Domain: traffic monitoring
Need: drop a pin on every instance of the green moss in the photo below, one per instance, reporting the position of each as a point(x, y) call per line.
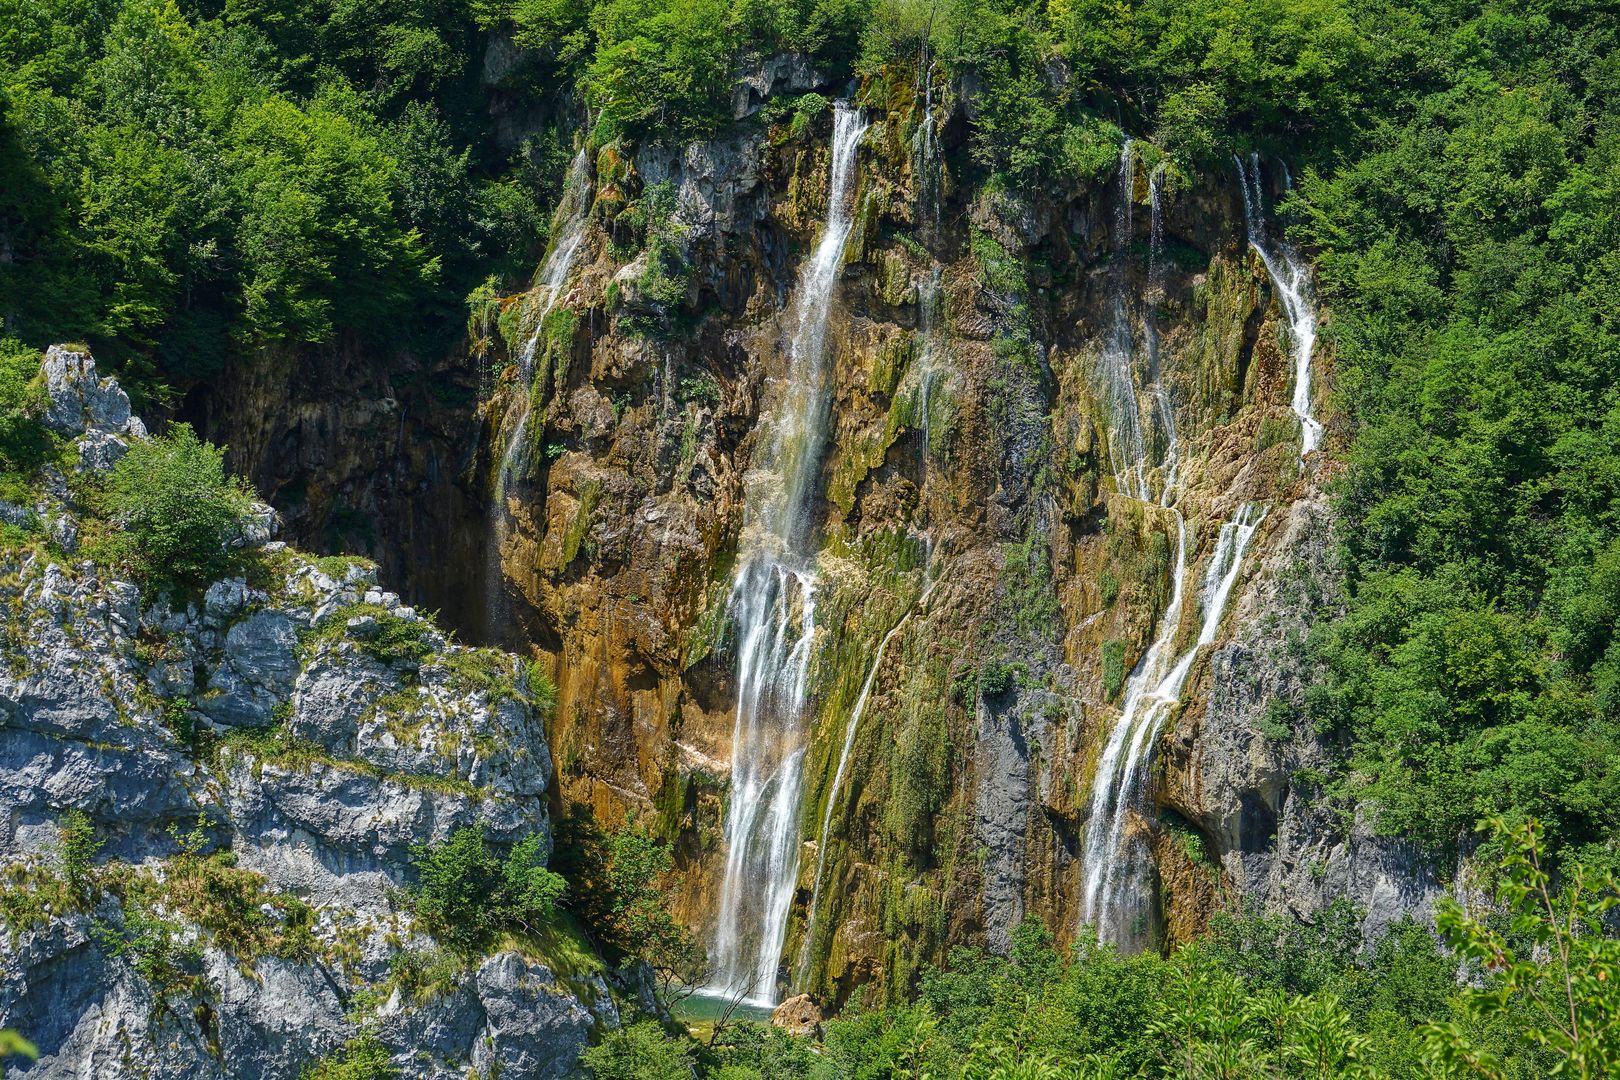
point(396, 639)
point(1113, 667)
point(1108, 586)
point(554, 352)
point(589, 494)
point(275, 746)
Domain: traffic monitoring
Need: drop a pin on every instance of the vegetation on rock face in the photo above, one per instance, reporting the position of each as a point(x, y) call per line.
point(364, 1058)
point(620, 875)
point(468, 894)
point(180, 181)
point(1264, 997)
point(24, 441)
point(1468, 253)
point(175, 510)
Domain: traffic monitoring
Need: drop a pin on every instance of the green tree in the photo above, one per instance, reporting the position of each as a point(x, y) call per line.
point(176, 511)
point(467, 894)
point(364, 1058)
point(24, 441)
point(1557, 960)
point(641, 1051)
point(620, 895)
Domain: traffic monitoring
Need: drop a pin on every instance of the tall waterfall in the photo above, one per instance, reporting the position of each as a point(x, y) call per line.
point(773, 602)
point(1116, 899)
point(1290, 275)
point(927, 166)
point(1127, 446)
point(568, 230)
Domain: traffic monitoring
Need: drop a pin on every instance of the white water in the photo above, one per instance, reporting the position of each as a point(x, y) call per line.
point(568, 230)
point(1161, 395)
point(773, 604)
point(927, 166)
point(1115, 897)
point(1290, 275)
point(1127, 448)
point(931, 366)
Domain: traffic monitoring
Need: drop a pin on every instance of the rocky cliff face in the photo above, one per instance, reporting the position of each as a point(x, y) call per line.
point(254, 765)
point(997, 541)
point(985, 578)
point(361, 449)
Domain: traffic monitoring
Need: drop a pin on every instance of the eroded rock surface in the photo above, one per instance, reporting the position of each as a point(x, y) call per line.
point(258, 718)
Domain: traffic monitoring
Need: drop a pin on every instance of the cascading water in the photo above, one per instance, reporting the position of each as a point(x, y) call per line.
point(1115, 900)
point(1155, 280)
point(773, 605)
point(927, 166)
point(931, 366)
point(1127, 448)
point(1290, 275)
point(568, 232)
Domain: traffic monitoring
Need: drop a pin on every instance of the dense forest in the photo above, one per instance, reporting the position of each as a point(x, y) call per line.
point(189, 184)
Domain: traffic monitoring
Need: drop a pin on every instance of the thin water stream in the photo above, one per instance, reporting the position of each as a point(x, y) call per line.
point(1116, 891)
point(568, 232)
point(1291, 276)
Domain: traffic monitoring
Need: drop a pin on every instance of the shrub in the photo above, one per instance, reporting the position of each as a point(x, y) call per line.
point(640, 1052)
point(176, 509)
point(158, 949)
point(1558, 961)
point(467, 895)
point(359, 1059)
point(1113, 667)
point(619, 881)
point(24, 442)
point(77, 845)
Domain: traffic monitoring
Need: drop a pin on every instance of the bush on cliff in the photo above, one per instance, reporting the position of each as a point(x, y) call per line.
point(24, 442)
point(175, 510)
point(468, 895)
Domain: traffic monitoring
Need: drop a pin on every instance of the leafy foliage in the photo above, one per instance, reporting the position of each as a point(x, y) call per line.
point(640, 1051)
point(621, 877)
point(24, 442)
point(364, 1058)
point(1467, 249)
point(178, 183)
point(468, 895)
point(175, 510)
point(1556, 956)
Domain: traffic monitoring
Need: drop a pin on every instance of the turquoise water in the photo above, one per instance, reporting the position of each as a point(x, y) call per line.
point(701, 1007)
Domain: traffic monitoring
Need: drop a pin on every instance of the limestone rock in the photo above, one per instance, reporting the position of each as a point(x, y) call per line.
point(799, 1016)
point(348, 761)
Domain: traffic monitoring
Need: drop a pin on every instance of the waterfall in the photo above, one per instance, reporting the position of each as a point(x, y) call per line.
point(568, 232)
point(926, 164)
point(1127, 448)
point(1156, 227)
point(773, 605)
point(1115, 897)
point(1161, 395)
point(931, 365)
point(1290, 276)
